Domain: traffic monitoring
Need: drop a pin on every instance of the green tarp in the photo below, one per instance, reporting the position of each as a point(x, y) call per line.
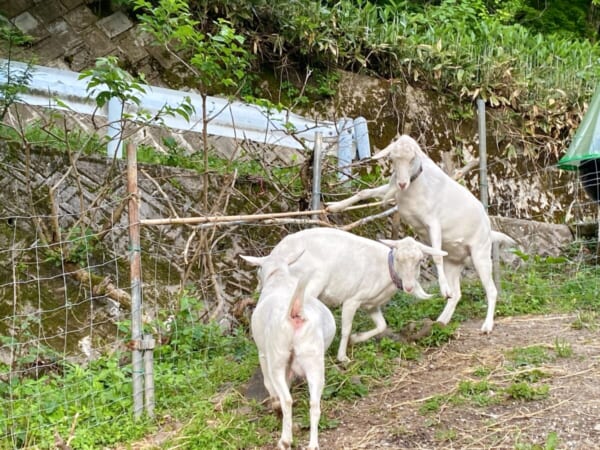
point(586, 143)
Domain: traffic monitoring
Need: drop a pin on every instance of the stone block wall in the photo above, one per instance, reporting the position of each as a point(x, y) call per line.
point(71, 34)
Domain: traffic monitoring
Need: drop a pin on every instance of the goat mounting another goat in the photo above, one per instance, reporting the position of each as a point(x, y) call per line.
point(444, 214)
point(343, 269)
point(292, 331)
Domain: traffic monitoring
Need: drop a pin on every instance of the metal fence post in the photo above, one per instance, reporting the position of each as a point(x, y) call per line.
point(361, 136)
point(316, 178)
point(114, 148)
point(135, 271)
point(483, 183)
point(345, 148)
point(483, 186)
point(148, 346)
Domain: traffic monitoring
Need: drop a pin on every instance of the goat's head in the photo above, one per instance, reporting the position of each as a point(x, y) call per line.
point(408, 254)
point(405, 157)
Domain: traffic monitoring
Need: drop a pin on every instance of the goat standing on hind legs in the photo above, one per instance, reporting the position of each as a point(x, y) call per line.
point(292, 332)
point(445, 215)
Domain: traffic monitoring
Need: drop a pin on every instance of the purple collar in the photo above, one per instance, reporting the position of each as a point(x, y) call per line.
point(395, 278)
point(414, 176)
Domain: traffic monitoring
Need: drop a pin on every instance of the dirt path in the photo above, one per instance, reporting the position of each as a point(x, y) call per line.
point(390, 417)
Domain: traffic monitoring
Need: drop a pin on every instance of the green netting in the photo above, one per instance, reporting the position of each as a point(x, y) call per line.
point(586, 143)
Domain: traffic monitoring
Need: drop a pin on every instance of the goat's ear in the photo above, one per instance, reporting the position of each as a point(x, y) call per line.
point(381, 154)
point(254, 260)
point(388, 242)
point(432, 251)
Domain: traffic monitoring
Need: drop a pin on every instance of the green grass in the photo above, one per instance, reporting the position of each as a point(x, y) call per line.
point(201, 372)
point(527, 356)
point(552, 442)
point(527, 392)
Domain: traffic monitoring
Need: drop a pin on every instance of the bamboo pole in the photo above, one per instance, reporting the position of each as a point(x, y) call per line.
point(244, 217)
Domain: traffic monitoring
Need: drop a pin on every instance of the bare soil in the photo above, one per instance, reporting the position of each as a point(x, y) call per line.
point(390, 417)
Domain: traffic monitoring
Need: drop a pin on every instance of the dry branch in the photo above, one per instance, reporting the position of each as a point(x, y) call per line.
point(99, 285)
point(460, 173)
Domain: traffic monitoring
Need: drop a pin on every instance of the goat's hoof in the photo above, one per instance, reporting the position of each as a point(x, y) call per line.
point(343, 361)
point(487, 329)
point(275, 405)
point(445, 292)
point(333, 207)
point(284, 445)
point(440, 324)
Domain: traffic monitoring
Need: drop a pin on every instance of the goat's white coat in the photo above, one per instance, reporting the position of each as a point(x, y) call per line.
point(444, 214)
point(292, 331)
point(352, 271)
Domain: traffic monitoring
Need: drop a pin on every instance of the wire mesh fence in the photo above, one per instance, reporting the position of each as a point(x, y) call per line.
point(65, 280)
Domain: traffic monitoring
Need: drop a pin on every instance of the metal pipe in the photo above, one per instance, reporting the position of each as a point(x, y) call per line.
point(361, 137)
point(148, 345)
point(483, 183)
point(136, 287)
point(483, 187)
point(229, 119)
point(316, 178)
point(345, 148)
point(114, 148)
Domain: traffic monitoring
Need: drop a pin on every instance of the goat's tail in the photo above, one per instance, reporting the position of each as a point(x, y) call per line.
point(503, 239)
point(296, 309)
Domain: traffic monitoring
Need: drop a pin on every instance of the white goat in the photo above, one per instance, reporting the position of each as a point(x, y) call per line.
point(444, 214)
point(292, 332)
point(353, 271)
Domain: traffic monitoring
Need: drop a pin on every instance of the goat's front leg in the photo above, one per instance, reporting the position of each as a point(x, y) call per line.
point(453, 272)
point(380, 326)
point(435, 238)
point(378, 192)
point(348, 310)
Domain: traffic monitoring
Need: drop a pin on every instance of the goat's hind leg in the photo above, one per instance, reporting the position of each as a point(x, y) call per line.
point(380, 326)
point(278, 369)
point(316, 390)
point(482, 260)
point(268, 382)
point(313, 365)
